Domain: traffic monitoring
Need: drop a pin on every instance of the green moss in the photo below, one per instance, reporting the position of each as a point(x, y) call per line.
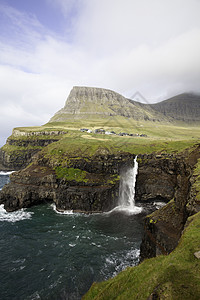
point(152, 221)
point(176, 276)
point(71, 174)
point(113, 179)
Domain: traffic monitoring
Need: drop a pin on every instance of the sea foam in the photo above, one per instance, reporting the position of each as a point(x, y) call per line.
point(64, 212)
point(14, 216)
point(6, 173)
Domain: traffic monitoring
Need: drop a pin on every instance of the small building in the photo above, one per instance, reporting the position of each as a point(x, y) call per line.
point(99, 131)
point(84, 129)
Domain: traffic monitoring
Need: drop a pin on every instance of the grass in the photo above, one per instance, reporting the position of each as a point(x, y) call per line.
point(176, 276)
point(161, 138)
point(13, 149)
point(79, 145)
point(71, 174)
point(155, 130)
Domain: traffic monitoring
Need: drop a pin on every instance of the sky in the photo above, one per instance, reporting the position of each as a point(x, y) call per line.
point(129, 46)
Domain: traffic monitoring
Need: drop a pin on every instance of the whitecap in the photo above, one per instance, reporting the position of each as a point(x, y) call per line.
point(64, 212)
point(14, 216)
point(122, 261)
point(159, 204)
point(6, 173)
point(94, 244)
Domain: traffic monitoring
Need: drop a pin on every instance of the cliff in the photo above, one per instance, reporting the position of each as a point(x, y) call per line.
point(170, 242)
point(87, 184)
point(94, 102)
point(23, 144)
point(163, 228)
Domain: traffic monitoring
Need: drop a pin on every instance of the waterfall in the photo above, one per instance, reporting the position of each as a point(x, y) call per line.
point(127, 190)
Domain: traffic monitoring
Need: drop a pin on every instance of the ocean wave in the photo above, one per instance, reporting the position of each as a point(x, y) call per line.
point(64, 212)
point(122, 261)
point(15, 216)
point(159, 204)
point(6, 173)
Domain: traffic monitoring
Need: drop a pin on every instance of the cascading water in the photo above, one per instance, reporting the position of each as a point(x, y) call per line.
point(127, 190)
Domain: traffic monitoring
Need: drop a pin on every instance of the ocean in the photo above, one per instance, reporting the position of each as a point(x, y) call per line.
point(49, 255)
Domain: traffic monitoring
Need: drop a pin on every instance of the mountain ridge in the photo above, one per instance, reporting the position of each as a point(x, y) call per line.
point(91, 101)
point(182, 107)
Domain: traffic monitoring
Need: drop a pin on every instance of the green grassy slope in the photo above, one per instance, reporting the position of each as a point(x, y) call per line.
point(160, 137)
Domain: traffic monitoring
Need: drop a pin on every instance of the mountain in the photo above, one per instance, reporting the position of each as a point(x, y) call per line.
point(184, 107)
point(91, 102)
point(84, 102)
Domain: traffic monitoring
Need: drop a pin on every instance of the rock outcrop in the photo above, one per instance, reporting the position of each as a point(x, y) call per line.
point(87, 185)
point(22, 145)
point(157, 177)
point(163, 228)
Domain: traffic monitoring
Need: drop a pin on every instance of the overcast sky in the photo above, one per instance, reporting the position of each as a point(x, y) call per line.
point(48, 46)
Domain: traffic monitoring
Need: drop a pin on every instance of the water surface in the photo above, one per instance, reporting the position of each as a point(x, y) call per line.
point(46, 255)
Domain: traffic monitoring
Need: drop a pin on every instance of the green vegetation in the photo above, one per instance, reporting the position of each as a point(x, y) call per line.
point(76, 144)
point(176, 276)
point(17, 150)
point(71, 174)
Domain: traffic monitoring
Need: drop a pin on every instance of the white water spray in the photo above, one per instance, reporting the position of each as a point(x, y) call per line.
point(127, 190)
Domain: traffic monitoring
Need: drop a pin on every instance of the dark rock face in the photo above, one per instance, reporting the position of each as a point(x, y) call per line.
point(18, 152)
point(163, 228)
point(157, 177)
point(16, 160)
point(38, 184)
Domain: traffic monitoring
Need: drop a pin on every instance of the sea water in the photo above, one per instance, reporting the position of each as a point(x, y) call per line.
point(49, 255)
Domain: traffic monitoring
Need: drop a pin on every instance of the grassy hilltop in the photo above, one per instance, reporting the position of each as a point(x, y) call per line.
point(159, 136)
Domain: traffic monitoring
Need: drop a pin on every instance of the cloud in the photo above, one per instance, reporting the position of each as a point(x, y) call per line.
point(127, 46)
